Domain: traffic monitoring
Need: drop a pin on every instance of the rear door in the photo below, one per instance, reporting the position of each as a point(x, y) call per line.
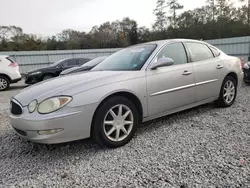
point(208, 69)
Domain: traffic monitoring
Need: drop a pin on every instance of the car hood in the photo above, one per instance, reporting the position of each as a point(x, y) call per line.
point(73, 84)
point(35, 70)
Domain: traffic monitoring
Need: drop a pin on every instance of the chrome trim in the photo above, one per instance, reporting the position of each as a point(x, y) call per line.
point(182, 87)
point(206, 82)
point(172, 90)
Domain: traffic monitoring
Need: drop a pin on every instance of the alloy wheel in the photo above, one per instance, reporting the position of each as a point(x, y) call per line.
point(118, 123)
point(3, 84)
point(229, 91)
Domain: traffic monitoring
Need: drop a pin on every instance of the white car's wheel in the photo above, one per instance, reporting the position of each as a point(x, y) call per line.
point(228, 92)
point(115, 122)
point(4, 83)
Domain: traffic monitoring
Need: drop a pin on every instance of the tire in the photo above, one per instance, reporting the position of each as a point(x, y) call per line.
point(4, 83)
point(222, 101)
point(47, 77)
point(100, 130)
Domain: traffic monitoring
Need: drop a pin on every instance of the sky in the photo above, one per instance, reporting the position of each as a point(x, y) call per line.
point(49, 17)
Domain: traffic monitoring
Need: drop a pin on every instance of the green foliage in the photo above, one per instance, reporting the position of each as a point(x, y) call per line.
point(216, 19)
point(161, 18)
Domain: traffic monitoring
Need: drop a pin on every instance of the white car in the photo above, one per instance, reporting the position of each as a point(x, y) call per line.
point(9, 72)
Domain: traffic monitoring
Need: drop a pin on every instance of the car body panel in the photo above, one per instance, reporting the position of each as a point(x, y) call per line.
point(74, 122)
point(69, 84)
point(208, 78)
point(167, 88)
point(12, 72)
point(162, 91)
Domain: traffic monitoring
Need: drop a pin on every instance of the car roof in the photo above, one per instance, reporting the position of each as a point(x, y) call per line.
point(161, 42)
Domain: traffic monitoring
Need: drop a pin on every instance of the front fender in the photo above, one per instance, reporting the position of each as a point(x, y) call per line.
point(96, 95)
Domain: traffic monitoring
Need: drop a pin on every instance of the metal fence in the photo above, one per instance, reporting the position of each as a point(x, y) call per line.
point(239, 46)
point(29, 60)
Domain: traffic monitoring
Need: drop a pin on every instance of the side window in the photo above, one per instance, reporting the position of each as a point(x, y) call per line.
point(174, 51)
point(215, 52)
point(83, 61)
point(69, 63)
point(199, 52)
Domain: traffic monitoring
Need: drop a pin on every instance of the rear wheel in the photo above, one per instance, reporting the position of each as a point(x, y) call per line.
point(115, 122)
point(4, 83)
point(228, 92)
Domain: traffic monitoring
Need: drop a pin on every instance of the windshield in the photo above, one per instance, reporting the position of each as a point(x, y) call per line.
point(94, 62)
point(128, 59)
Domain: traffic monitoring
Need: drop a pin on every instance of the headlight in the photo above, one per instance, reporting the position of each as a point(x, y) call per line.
point(32, 106)
point(33, 73)
point(52, 104)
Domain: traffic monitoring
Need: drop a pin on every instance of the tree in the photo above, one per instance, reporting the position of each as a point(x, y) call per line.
point(133, 35)
point(216, 19)
point(248, 10)
point(161, 18)
point(174, 5)
point(212, 7)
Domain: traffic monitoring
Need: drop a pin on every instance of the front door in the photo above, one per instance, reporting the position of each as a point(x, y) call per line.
point(171, 87)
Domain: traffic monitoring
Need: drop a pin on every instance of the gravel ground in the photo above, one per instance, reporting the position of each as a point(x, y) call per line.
point(201, 147)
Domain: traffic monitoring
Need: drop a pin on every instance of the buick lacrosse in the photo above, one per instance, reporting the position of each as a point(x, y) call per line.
point(134, 85)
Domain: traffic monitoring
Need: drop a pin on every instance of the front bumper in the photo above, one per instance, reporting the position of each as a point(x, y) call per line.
point(246, 75)
point(32, 79)
point(74, 123)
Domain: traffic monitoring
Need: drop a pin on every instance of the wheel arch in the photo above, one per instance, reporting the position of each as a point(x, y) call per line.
point(234, 75)
point(6, 76)
point(129, 95)
point(47, 74)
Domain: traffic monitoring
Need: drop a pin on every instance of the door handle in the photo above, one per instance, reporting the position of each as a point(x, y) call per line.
point(219, 66)
point(186, 73)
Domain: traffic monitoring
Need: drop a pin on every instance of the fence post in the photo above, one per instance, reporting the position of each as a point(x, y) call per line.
point(15, 57)
point(48, 58)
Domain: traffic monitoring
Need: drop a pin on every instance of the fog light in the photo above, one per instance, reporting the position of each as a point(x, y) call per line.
point(49, 132)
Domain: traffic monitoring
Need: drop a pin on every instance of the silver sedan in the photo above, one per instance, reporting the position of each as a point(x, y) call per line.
point(134, 85)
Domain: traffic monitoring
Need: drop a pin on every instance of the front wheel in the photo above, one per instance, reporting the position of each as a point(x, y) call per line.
point(4, 83)
point(115, 122)
point(228, 92)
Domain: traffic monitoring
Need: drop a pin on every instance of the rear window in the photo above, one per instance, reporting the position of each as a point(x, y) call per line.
point(199, 51)
point(215, 51)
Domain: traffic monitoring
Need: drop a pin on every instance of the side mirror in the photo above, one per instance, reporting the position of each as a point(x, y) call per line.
point(162, 62)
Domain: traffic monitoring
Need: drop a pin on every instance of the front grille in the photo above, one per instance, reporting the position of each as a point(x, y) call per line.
point(23, 133)
point(15, 108)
